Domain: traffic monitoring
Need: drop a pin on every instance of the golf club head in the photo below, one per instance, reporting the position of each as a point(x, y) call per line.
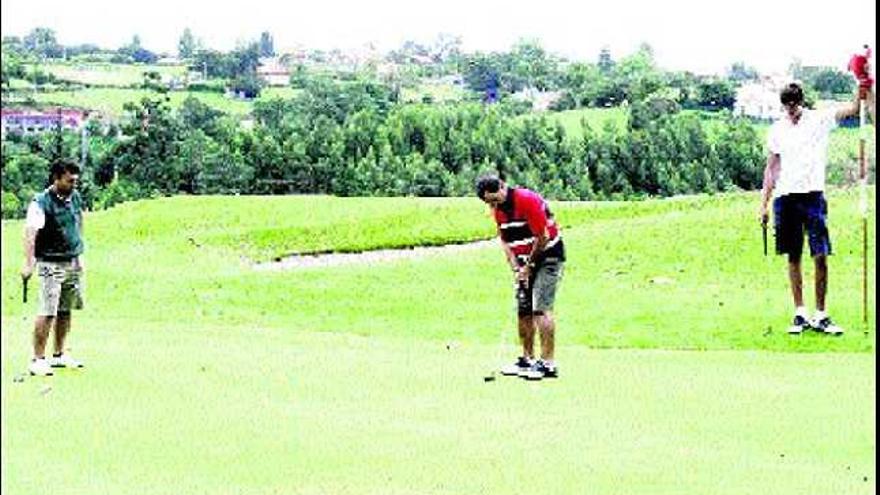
point(489, 378)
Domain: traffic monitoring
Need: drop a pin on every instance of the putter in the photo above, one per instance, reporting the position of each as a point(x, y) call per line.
point(764, 232)
point(19, 377)
point(491, 376)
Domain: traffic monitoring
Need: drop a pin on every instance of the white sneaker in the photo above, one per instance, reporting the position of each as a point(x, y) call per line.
point(522, 364)
point(798, 325)
point(64, 361)
point(827, 326)
point(40, 367)
point(532, 373)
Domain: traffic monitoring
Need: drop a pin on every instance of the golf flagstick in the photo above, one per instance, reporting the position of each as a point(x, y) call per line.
point(859, 65)
point(863, 207)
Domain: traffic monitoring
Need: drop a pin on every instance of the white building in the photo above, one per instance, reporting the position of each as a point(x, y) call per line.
point(27, 120)
point(760, 99)
point(541, 100)
point(273, 71)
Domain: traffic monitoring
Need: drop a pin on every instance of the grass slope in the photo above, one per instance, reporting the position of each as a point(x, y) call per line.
point(686, 273)
point(110, 101)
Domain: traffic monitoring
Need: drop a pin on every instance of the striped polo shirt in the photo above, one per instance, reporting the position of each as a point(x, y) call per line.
point(523, 214)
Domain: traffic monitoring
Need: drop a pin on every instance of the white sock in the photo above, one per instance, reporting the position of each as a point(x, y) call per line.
point(820, 314)
point(550, 363)
point(801, 311)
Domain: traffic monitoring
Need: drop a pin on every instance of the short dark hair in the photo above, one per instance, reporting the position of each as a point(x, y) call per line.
point(61, 166)
point(792, 94)
point(487, 183)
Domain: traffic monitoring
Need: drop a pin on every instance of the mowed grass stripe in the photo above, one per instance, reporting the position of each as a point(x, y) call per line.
point(210, 409)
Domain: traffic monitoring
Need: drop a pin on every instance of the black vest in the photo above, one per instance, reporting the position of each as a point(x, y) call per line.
point(59, 239)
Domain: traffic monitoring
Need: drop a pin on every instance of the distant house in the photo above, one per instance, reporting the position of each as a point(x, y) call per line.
point(27, 121)
point(760, 100)
point(169, 61)
point(541, 100)
point(174, 83)
point(422, 59)
point(273, 71)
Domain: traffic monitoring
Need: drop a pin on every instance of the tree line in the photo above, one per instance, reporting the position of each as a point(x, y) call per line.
point(356, 139)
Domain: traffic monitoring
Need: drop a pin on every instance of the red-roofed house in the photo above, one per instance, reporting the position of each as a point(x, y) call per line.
point(26, 120)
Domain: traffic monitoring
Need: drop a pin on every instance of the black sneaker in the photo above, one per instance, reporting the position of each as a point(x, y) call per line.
point(798, 325)
point(539, 371)
point(521, 365)
point(825, 325)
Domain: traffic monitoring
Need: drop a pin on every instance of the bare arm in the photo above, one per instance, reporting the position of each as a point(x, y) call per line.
point(80, 264)
point(538, 246)
point(30, 237)
point(511, 259)
point(771, 173)
point(852, 109)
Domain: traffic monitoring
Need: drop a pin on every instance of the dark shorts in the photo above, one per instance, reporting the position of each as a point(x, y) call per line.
point(796, 214)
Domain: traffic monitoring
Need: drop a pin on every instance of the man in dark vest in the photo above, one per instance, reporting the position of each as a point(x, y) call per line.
point(53, 246)
point(533, 246)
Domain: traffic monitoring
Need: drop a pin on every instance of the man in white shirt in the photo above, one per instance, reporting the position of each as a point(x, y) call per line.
point(795, 175)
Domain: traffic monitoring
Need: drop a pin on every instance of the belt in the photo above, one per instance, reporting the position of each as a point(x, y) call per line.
point(56, 259)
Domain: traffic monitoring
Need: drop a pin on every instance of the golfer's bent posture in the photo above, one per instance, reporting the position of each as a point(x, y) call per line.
point(53, 246)
point(533, 245)
point(795, 174)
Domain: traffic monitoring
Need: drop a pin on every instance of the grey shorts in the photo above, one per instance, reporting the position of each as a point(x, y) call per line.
point(61, 287)
point(540, 294)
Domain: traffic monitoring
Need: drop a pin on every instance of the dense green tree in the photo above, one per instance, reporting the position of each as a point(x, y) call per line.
point(187, 45)
point(41, 41)
point(267, 45)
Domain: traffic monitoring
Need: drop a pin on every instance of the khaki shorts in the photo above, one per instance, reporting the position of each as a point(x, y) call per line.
point(61, 287)
point(540, 294)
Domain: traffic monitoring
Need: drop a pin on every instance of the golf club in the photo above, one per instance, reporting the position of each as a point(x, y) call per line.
point(764, 232)
point(19, 377)
point(490, 377)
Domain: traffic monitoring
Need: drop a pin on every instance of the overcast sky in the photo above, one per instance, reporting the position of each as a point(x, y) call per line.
point(700, 36)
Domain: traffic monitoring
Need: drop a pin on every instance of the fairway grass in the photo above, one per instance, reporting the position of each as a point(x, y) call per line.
point(205, 375)
point(110, 101)
point(189, 408)
point(686, 273)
